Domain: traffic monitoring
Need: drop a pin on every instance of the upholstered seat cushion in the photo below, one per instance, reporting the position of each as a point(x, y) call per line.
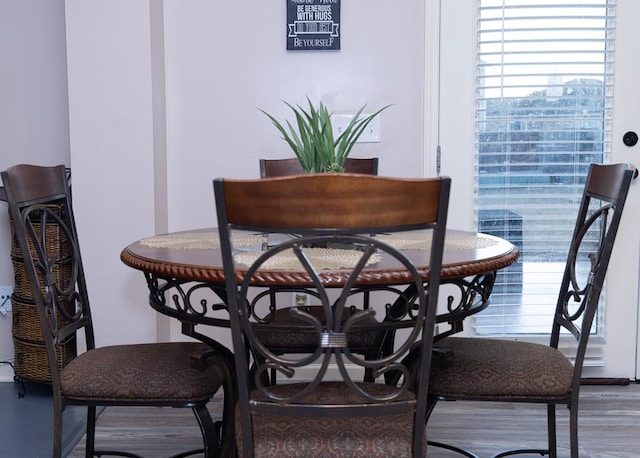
point(330, 436)
point(300, 341)
point(158, 372)
point(488, 369)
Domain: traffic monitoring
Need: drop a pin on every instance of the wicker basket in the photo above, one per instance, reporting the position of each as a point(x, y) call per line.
point(30, 351)
point(26, 322)
point(57, 246)
point(31, 359)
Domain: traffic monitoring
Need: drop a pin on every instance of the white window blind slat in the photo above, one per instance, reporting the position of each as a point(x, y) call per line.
point(544, 76)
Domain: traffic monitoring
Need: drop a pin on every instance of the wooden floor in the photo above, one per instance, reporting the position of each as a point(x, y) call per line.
point(609, 427)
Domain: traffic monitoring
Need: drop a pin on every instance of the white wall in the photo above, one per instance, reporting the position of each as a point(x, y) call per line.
point(34, 123)
point(112, 156)
point(222, 61)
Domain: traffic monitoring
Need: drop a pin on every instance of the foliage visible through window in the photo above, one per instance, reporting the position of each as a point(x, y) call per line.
point(543, 103)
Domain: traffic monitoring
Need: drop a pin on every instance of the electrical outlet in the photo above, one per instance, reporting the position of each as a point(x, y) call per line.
point(300, 299)
point(5, 299)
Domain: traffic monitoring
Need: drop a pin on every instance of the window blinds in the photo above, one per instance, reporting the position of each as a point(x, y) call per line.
point(544, 75)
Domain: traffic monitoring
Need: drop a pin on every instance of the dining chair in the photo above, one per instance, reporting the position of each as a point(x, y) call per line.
point(292, 342)
point(270, 168)
point(320, 232)
point(485, 369)
point(179, 374)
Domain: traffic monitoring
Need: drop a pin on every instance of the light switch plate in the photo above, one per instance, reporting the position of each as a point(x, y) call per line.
point(371, 134)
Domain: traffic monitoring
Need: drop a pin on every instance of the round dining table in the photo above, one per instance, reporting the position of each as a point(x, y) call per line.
point(185, 276)
point(182, 269)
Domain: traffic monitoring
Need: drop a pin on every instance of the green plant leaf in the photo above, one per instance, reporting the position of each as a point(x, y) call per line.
point(312, 139)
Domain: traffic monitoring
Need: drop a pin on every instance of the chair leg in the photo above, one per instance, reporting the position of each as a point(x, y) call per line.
point(90, 437)
point(551, 430)
point(431, 404)
point(219, 437)
point(210, 433)
point(57, 428)
point(228, 435)
point(225, 428)
point(573, 427)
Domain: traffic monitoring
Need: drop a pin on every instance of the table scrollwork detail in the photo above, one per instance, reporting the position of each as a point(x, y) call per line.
point(201, 303)
point(473, 292)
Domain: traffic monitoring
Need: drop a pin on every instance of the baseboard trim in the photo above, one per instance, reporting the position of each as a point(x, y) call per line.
point(604, 381)
point(6, 373)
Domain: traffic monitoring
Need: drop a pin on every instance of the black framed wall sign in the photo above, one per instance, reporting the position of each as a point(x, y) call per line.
point(313, 25)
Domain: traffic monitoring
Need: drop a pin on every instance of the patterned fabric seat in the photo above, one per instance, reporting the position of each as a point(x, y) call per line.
point(493, 369)
point(300, 341)
point(159, 373)
point(364, 436)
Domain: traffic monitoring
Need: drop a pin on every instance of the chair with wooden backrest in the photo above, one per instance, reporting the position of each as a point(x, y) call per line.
point(154, 374)
point(329, 218)
point(296, 342)
point(270, 168)
point(483, 369)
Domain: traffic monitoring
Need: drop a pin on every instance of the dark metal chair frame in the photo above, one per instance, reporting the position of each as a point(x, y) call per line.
point(600, 212)
point(357, 205)
point(39, 197)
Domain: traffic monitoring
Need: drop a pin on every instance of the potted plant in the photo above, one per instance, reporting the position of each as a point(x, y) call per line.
point(313, 142)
